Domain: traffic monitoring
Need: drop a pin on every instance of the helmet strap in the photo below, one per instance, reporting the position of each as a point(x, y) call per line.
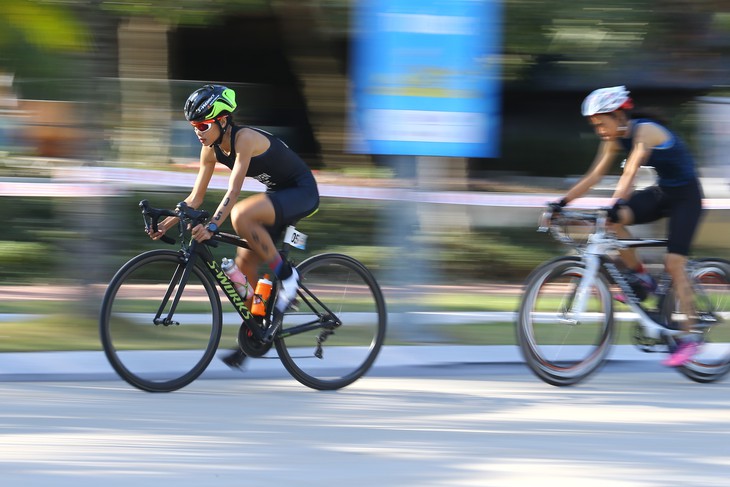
point(222, 132)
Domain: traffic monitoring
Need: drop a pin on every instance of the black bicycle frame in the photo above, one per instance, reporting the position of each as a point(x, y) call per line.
point(265, 333)
point(182, 273)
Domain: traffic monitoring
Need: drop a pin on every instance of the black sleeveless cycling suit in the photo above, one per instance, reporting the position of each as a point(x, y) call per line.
point(677, 194)
point(291, 187)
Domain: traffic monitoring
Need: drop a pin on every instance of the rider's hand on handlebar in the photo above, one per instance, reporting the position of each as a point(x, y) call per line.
point(161, 229)
point(201, 233)
point(612, 212)
point(557, 206)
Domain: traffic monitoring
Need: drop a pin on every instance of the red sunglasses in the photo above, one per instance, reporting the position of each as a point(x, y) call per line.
point(205, 125)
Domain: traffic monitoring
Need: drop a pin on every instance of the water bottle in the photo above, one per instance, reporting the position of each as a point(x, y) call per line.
point(261, 296)
point(237, 278)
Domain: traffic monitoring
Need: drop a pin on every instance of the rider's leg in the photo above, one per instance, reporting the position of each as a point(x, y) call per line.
point(685, 211)
point(676, 265)
point(687, 343)
point(249, 262)
point(639, 280)
point(249, 217)
point(644, 206)
point(629, 256)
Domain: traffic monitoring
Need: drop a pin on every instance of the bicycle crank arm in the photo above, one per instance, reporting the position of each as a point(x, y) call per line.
point(165, 322)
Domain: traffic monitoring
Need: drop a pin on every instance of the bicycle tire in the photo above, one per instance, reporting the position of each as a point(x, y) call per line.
point(712, 362)
point(350, 291)
point(559, 353)
point(159, 358)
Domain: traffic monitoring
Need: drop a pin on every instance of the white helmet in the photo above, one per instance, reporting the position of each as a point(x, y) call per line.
point(606, 100)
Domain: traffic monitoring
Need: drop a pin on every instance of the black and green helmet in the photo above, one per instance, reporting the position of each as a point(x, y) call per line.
point(208, 102)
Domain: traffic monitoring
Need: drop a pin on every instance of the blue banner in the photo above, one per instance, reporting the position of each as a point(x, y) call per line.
point(426, 77)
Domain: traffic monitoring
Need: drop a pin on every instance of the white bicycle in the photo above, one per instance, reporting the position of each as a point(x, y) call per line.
point(566, 323)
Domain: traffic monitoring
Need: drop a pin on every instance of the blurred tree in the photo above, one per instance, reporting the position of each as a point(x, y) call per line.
point(37, 41)
point(577, 44)
point(143, 71)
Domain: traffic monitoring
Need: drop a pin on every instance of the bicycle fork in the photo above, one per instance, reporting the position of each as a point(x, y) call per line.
point(182, 272)
point(582, 293)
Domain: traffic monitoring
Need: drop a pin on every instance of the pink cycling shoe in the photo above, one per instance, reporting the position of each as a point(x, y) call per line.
point(683, 354)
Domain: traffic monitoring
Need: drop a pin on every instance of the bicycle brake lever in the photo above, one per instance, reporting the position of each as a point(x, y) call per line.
point(152, 223)
point(544, 221)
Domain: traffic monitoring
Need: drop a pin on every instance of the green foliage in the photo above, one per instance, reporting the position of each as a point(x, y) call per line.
point(39, 42)
point(45, 25)
point(21, 261)
point(184, 12)
point(44, 243)
point(488, 255)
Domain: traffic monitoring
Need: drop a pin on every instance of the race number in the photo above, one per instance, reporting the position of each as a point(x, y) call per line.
point(295, 238)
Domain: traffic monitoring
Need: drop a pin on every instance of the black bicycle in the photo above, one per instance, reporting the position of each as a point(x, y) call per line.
point(161, 317)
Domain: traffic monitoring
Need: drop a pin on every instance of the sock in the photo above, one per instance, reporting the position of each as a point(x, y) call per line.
point(639, 270)
point(281, 268)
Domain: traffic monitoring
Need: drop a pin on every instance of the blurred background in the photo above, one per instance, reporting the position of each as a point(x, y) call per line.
point(436, 131)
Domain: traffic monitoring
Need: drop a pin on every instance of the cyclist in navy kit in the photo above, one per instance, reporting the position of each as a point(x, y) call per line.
point(676, 195)
point(261, 218)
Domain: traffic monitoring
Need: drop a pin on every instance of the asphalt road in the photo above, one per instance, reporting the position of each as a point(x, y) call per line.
point(632, 424)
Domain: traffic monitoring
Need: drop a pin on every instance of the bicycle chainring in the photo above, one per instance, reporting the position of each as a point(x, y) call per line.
point(250, 345)
point(647, 344)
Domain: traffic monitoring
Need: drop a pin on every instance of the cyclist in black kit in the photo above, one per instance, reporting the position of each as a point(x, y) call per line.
point(677, 194)
point(291, 189)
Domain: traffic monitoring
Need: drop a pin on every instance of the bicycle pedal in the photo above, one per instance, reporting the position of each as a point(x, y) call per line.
point(234, 359)
point(706, 319)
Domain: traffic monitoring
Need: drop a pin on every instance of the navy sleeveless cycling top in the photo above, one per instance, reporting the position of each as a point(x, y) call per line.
point(672, 161)
point(279, 167)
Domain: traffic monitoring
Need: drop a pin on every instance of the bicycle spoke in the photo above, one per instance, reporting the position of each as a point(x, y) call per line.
point(559, 348)
point(170, 354)
point(344, 301)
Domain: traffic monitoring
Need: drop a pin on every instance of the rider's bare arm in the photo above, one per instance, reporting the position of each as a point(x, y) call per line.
point(245, 149)
point(195, 198)
point(647, 136)
point(601, 164)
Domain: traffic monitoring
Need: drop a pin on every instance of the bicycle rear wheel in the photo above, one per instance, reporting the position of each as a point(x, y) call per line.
point(159, 357)
point(712, 282)
point(557, 350)
point(340, 305)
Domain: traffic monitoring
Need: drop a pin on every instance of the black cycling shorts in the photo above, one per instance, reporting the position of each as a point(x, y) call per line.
point(293, 204)
point(681, 204)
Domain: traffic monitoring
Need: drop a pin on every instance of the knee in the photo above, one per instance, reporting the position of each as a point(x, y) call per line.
point(237, 212)
point(625, 216)
point(240, 217)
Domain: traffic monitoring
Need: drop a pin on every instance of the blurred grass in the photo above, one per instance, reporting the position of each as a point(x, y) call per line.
point(51, 332)
point(47, 329)
point(58, 326)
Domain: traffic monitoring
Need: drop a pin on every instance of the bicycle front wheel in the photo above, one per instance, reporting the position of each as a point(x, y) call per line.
point(712, 297)
point(338, 328)
point(149, 354)
point(558, 349)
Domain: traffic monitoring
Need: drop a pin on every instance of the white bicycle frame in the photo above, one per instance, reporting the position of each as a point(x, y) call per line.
point(599, 244)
